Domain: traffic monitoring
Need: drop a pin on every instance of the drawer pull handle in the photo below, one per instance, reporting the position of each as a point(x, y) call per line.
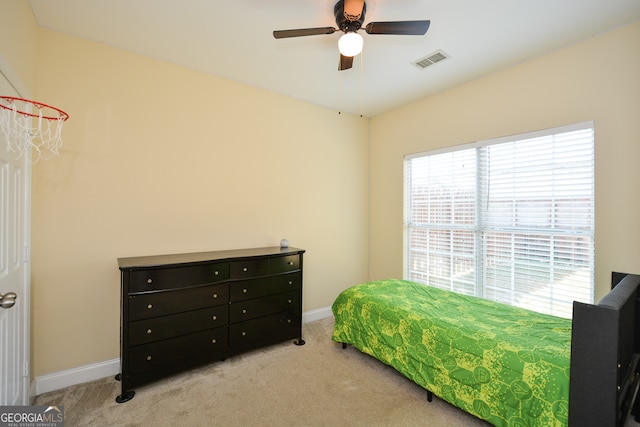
point(244, 311)
point(244, 334)
point(290, 282)
point(215, 296)
point(244, 291)
point(149, 306)
point(290, 262)
point(216, 273)
point(215, 317)
point(213, 341)
point(288, 320)
point(148, 357)
point(149, 281)
point(149, 331)
point(290, 301)
point(245, 269)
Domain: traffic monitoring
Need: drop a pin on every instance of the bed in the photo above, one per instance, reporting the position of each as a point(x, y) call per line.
point(504, 364)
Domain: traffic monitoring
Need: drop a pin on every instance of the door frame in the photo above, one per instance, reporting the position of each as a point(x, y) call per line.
point(24, 288)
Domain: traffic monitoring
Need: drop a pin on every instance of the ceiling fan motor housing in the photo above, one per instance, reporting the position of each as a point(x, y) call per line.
point(345, 24)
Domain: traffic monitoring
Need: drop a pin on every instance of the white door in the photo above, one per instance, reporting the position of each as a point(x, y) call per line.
point(15, 194)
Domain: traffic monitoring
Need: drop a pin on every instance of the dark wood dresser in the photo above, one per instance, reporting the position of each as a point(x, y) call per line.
point(184, 310)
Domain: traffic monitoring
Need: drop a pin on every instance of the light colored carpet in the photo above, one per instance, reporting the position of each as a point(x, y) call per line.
point(317, 384)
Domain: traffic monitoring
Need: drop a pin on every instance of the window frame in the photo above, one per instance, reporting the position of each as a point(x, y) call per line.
point(479, 227)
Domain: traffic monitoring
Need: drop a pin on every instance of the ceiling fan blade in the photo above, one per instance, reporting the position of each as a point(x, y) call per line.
point(283, 34)
point(346, 62)
point(408, 28)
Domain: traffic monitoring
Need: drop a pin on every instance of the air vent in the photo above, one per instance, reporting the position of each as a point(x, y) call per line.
point(432, 58)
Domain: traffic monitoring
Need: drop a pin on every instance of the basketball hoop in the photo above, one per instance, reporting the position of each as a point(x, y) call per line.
point(25, 129)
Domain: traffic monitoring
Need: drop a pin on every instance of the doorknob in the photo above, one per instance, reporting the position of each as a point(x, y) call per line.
point(8, 300)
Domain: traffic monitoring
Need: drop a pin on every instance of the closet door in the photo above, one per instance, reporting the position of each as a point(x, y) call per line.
point(15, 202)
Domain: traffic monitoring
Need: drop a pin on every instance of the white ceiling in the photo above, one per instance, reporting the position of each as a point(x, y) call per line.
point(233, 39)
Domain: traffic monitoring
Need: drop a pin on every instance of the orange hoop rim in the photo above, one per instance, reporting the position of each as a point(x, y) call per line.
point(39, 105)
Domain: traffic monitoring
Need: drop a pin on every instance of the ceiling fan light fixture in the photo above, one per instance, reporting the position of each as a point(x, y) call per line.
point(350, 44)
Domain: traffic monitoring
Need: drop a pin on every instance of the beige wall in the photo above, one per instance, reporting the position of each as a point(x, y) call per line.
point(598, 79)
point(162, 159)
point(18, 40)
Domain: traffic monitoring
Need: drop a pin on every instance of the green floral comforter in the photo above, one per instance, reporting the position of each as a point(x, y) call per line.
point(504, 364)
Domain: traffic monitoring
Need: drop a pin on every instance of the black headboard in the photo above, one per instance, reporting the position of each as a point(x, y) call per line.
point(616, 278)
point(635, 331)
point(604, 356)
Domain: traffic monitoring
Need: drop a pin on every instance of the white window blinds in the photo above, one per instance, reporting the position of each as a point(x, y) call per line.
point(510, 220)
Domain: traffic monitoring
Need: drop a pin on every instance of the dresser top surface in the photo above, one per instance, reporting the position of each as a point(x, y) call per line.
point(195, 257)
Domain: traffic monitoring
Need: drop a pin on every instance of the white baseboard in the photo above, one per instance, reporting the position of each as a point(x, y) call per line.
point(313, 315)
point(32, 391)
point(95, 371)
point(79, 375)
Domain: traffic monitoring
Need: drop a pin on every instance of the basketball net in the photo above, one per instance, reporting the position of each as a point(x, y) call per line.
point(26, 132)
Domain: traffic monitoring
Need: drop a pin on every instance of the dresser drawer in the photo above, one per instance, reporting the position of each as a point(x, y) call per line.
point(173, 325)
point(249, 309)
point(202, 345)
point(264, 330)
point(256, 288)
point(284, 263)
point(177, 277)
point(249, 268)
point(143, 306)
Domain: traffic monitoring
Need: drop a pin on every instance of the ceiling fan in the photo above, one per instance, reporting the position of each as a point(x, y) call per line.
point(349, 19)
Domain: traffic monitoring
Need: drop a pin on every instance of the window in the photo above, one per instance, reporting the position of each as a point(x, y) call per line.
point(510, 220)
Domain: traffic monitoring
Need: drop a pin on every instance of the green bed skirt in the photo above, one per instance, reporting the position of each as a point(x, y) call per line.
point(503, 364)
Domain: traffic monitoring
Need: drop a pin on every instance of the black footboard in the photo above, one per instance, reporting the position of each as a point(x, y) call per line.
point(604, 360)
